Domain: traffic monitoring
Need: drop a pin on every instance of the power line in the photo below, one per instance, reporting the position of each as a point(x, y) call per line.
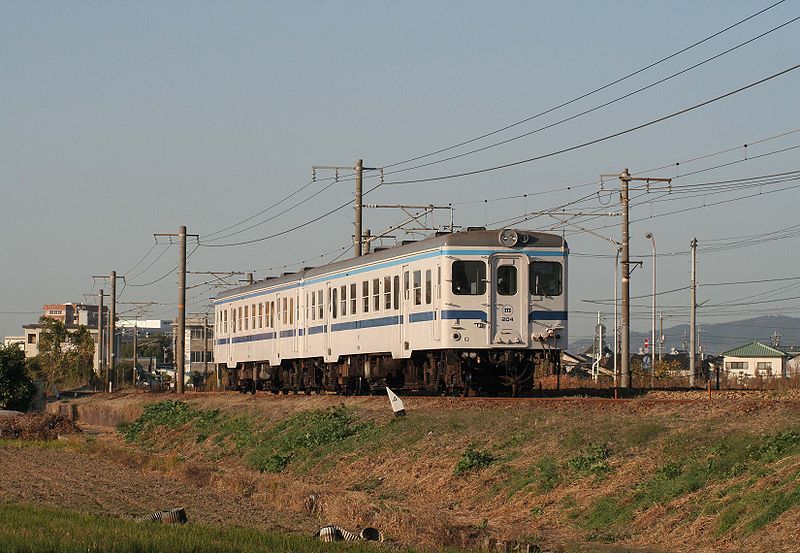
point(601, 139)
point(585, 95)
point(598, 107)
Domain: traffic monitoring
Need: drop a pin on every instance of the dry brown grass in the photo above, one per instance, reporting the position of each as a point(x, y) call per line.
point(404, 482)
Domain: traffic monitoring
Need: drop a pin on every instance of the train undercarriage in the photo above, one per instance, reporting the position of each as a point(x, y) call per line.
point(440, 372)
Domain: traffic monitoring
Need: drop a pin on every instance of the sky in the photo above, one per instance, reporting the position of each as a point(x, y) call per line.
point(124, 119)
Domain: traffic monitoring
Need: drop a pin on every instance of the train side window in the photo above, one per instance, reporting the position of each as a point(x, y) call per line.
point(365, 295)
point(253, 316)
point(387, 293)
point(376, 294)
point(469, 278)
point(320, 306)
point(313, 305)
point(353, 299)
point(291, 310)
point(246, 318)
point(396, 292)
point(506, 280)
point(417, 287)
point(233, 320)
point(284, 317)
point(260, 315)
point(343, 300)
point(225, 321)
point(240, 318)
point(334, 303)
point(428, 286)
point(545, 278)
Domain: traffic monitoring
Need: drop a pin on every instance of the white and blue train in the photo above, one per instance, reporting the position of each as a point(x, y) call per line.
point(473, 310)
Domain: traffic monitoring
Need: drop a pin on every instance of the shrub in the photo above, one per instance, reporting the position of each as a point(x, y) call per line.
point(473, 460)
point(592, 460)
point(16, 387)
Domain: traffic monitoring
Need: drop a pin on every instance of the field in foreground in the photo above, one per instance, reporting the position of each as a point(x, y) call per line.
point(28, 529)
point(566, 476)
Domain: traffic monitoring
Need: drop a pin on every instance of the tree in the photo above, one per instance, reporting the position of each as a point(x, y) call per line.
point(16, 387)
point(65, 356)
point(51, 356)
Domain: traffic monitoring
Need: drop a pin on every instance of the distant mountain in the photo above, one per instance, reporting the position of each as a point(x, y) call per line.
point(719, 337)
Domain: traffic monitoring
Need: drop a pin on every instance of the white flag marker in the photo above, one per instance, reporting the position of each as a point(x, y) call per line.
point(397, 404)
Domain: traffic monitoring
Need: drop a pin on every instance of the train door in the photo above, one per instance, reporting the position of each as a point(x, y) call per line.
point(328, 322)
point(508, 311)
point(405, 307)
point(294, 319)
point(437, 301)
point(280, 324)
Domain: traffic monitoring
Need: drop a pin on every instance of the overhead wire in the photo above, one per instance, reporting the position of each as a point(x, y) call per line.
point(600, 139)
point(587, 94)
point(595, 108)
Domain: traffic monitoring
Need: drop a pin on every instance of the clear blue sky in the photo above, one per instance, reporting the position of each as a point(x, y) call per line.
point(121, 119)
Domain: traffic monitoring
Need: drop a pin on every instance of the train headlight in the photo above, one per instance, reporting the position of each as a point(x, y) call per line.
point(456, 336)
point(508, 238)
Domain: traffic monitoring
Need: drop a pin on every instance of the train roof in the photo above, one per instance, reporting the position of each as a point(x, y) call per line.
point(463, 238)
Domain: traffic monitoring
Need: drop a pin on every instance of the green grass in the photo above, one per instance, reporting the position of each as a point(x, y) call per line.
point(592, 460)
point(306, 436)
point(25, 529)
point(473, 460)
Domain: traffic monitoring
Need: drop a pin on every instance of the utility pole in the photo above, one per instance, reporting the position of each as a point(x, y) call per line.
point(205, 346)
point(661, 335)
point(625, 179)
point(101, 350)
point(112, 329)
point(358, 240)
point(180, 321)
point(693, 316)
point(112, 334)
point(249, 278)
point(358, 235)
point(135, 352)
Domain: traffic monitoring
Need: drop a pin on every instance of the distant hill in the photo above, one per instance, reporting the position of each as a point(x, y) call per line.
point(718, 337)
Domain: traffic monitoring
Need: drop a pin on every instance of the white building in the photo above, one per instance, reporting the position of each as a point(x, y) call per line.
point(756, 359)
point(18, 341)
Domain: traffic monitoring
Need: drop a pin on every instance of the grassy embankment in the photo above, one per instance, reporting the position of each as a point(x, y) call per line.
point(548, 475)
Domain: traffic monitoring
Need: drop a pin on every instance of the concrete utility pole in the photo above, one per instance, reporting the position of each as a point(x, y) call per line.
point(693, 316)
point(135, 352)
point(358, 240)
point(112, 329)
point(661, 335)
point(205, 346)
point(180, 320)
point(625, 178)
point(181, 307)
point(112, 333)
point(653, 321)
point(101, 350)
point(358, 235)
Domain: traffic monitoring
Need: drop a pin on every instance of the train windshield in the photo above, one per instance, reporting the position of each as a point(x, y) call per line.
point(469, 278)
point(545, 278)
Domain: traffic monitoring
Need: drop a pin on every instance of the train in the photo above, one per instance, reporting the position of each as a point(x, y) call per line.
point(468, 312)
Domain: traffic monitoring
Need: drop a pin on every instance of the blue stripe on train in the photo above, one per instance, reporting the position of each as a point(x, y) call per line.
point(447, 314)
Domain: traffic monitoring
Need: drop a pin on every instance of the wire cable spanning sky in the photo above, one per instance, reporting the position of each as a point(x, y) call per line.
point(125, 120)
